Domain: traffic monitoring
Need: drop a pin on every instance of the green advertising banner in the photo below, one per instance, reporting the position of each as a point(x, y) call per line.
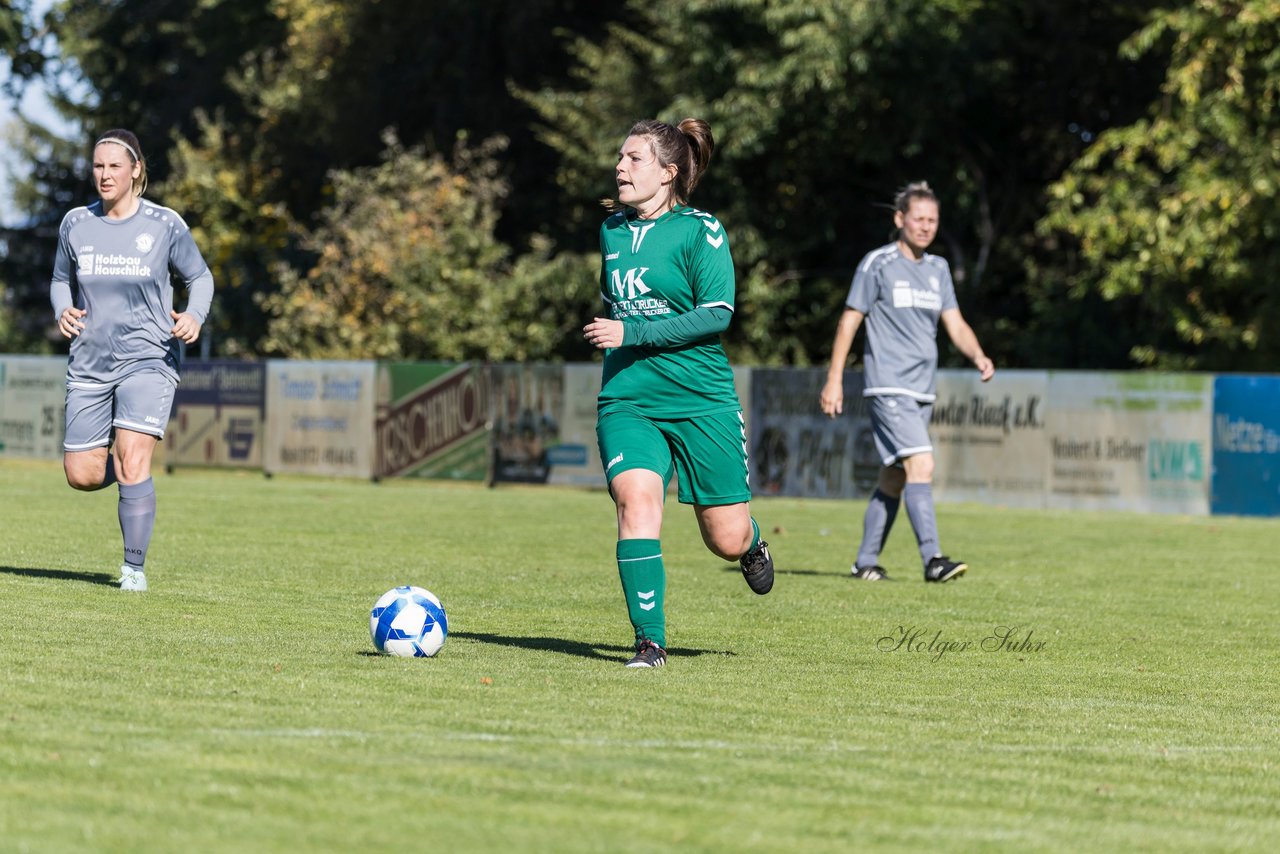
point(432, 421)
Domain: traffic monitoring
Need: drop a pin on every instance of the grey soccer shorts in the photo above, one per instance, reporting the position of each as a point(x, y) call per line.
point(139, 402)
point(901, 427)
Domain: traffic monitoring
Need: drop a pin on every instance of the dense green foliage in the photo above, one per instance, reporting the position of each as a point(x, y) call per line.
point(1179, 213)
point(409, 243)
point(237, 705)
point(1106, 169)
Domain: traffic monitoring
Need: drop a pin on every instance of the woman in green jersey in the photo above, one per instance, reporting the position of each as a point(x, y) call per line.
point(667, 402)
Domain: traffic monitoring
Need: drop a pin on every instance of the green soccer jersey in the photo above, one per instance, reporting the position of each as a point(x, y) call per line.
point(652, 271)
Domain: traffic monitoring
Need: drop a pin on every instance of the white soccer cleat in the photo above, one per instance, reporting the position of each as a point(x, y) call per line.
point(132, 579)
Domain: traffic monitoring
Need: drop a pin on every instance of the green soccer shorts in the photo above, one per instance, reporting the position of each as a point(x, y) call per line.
point(707, 453)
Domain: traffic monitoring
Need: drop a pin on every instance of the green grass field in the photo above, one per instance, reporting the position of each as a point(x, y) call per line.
point(238, 705)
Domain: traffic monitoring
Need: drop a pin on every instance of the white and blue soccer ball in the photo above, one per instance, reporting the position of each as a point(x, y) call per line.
point(408, 621)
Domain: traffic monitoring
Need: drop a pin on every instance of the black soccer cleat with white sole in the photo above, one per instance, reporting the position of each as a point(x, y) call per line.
point(942, 568)
point(876, 572)
point(757, 568)
point(648, 654)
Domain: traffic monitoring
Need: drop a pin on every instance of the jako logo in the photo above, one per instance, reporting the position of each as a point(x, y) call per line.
point(1175, 461)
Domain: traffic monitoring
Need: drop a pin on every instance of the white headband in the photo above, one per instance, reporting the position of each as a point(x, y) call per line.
point(119, 142)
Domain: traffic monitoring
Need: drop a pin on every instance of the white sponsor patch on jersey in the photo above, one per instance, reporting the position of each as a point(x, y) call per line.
point(934, 283)
point(902, 295)
point(928, 300)
point(144, 242)
point(84, 264)
point(905, 296)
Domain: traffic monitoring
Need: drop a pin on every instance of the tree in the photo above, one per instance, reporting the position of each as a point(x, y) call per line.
point(406, 266)
point(822, 109)
point(136, 63)
point(1176, 216)
point(19, 44)
point(315, 103)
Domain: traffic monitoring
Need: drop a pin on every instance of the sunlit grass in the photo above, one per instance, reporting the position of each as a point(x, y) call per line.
point(238, 704)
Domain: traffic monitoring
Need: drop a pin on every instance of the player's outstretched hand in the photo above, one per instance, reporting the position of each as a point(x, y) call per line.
point(185, 327)
point(70, 322)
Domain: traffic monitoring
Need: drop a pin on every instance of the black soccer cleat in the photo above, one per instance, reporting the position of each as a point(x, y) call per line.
point(942, 568)
point(875, 572)
point(648, 654)
point(757, 568)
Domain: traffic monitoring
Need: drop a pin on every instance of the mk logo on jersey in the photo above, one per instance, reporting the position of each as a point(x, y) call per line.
point(630, 287)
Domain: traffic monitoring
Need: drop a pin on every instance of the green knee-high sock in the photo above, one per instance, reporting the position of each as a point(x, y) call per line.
point(755, 534)
point(644, 583)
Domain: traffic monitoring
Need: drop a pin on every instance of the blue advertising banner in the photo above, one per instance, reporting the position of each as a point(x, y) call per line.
point(217, 415)
point(1246, 446)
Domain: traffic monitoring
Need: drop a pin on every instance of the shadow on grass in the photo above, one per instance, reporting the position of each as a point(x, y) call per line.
point(103, 578)
point(582, 649)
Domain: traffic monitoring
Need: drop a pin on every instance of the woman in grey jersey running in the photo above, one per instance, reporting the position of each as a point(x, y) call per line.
point(112, 295)
point(902, 291)
point(667, 401)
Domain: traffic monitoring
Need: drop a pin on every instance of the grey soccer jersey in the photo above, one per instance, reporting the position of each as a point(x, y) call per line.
point(902, 301)
point(120, 273)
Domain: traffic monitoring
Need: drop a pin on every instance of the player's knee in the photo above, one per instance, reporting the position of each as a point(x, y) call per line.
point(84, 478)
point(638, 511)
point(729, 545)
point(891, 481)
point(132, 471)
point(919, 469)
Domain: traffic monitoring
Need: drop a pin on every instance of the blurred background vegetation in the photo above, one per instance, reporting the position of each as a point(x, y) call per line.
point(421, 180)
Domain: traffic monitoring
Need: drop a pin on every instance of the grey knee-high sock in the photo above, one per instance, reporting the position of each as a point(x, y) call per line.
point(919, 501)
point(876, 524)
point(137, 519)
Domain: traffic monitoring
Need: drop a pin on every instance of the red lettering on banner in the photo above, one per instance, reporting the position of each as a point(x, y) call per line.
point(441, 414)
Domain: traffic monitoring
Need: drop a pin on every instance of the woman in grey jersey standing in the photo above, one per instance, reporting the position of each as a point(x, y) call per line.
point(903, 292)
point(112, 295)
